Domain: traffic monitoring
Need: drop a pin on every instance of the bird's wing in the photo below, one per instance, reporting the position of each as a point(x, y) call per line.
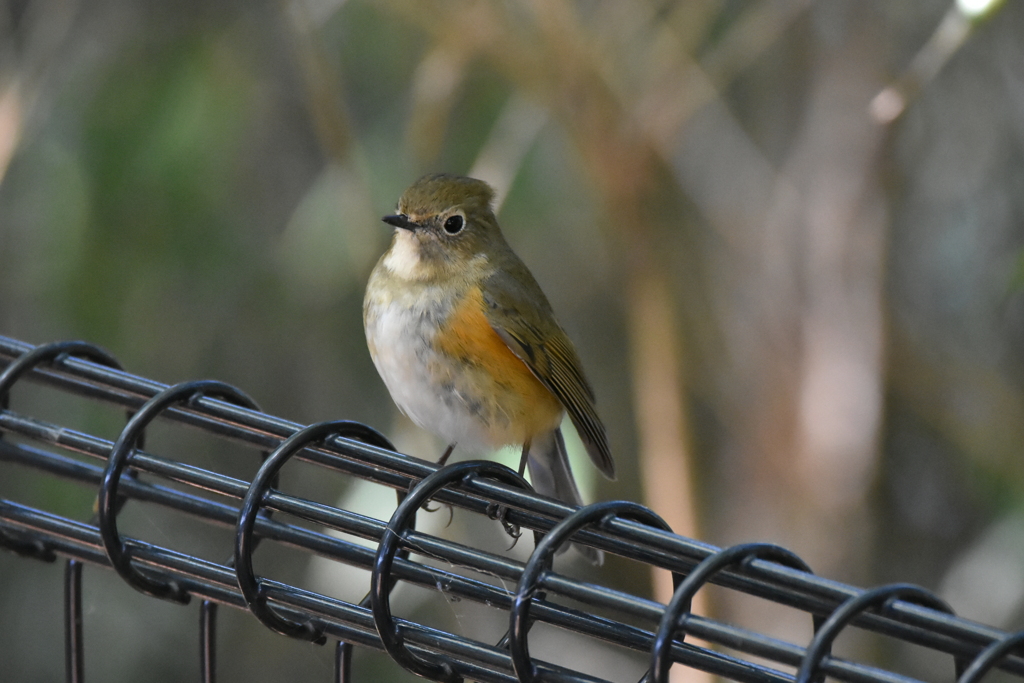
point(519, 313)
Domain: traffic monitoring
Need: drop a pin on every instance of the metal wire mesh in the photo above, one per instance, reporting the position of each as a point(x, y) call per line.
point(529, 593)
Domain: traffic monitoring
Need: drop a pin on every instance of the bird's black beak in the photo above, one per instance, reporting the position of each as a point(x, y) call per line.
point(400, 220)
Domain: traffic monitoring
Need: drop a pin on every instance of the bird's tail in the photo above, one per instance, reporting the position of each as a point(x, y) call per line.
point(550, 474)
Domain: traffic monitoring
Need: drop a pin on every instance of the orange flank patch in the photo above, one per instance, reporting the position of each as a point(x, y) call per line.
point(493, 371)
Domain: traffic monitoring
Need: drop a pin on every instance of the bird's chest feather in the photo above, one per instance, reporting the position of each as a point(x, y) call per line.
point(450, 372)
point(401, 326)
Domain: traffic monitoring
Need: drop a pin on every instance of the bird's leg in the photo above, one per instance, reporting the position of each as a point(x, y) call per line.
point(440, 463)
point(447, 454)
point(501, 513)
point(524, 457)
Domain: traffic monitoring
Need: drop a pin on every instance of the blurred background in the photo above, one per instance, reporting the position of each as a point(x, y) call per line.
point(787, 238)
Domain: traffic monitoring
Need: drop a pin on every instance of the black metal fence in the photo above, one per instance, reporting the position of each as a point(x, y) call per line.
point(529, 594)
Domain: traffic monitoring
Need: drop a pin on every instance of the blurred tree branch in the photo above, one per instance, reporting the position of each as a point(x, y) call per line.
point(323, 84)
point(949, 36)
point(31, 36)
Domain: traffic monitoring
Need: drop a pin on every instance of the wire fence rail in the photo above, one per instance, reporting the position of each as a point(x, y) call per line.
point(403, 554)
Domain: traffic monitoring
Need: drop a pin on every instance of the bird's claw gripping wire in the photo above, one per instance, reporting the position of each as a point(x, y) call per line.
point(500, 513)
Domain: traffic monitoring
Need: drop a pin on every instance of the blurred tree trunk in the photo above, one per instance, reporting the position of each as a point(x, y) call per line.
point(807, 416)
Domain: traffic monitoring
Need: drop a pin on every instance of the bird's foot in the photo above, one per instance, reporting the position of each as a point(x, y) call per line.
point(451, 512)
point(500, 513)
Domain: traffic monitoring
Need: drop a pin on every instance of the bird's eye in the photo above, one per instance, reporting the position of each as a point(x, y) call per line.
point(454, 224)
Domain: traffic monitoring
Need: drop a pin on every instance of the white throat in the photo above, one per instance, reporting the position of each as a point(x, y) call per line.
point(403, 258)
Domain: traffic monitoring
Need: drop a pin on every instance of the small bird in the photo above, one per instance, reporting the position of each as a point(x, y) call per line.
point(467, 343)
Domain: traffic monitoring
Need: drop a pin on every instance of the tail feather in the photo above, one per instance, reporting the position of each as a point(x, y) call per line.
point(548, 463)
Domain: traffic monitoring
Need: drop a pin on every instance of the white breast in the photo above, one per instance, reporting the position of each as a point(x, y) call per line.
point(423, 384)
